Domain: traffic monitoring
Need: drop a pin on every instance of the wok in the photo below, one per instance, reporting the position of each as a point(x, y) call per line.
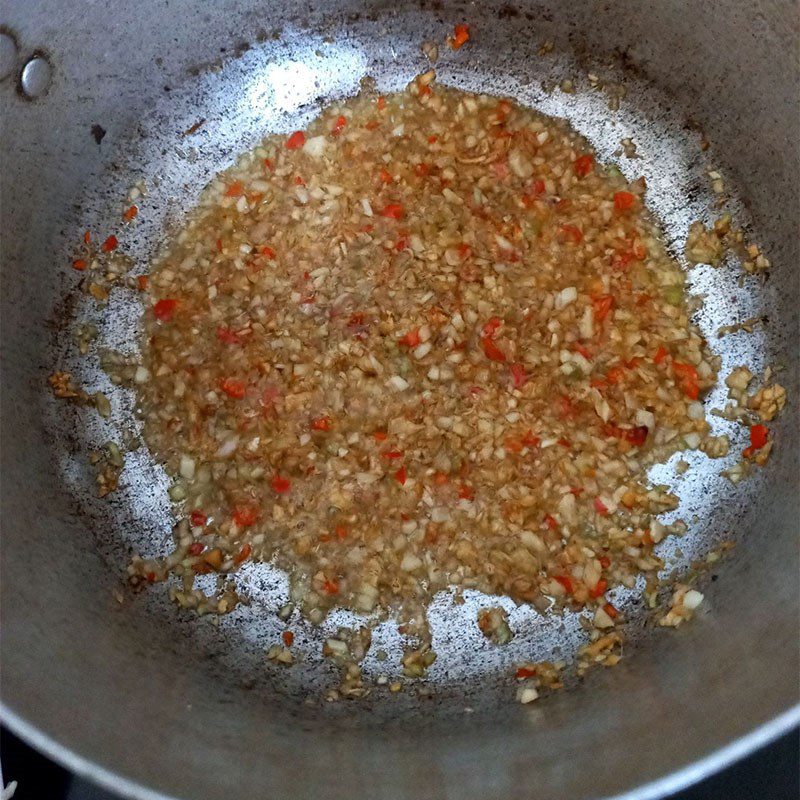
point(127, 691)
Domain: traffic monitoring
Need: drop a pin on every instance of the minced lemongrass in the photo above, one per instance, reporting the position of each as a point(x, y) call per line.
point(432, 356)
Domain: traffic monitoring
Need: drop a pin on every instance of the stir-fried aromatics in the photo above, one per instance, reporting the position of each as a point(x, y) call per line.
point(428, 341)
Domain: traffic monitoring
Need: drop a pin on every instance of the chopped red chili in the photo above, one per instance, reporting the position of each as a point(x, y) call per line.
point(583, 165)
point(280, 484)
point(227, 336)
point(524, 672)
point(687, 378)
point(411, 339)
point(601, 307)
point(233, 388)
point(245, 516)
point(296, 140)
point(236, 189)
point(624, 200)
point(198, 519)
point(111, 243)
point(599, 588)
point(571, 233)
point(164, 309)
point(566, 582)
point(600, 507)
point(492, 351)
point(393, 211)
point(518, 375)
point(460, 36)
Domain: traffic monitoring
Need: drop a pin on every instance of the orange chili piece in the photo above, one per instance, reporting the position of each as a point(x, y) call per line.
point(280, 484)
point(236, 189)
point(393, 211)
point(111, 243)
point(565, 581)
point(411, 339)
point(599, 588)
point(759, 436)
point(198, 519)
point(624, 200)
point(243, 554)
point(600, 507)
point(164, 309)
point(571, 233)
point(460, 36)
point(615, 374)
point(233, 388)
point(244, 516)
point(583, 165)
point(687, 378)
point(296, 140)
point(492, 351)
point(465, 492)
point(529, 440)
point(524, 672)
point(602, 306)
point(491, 327)
point(513, 444)
point(518, 375)
point(227, 336)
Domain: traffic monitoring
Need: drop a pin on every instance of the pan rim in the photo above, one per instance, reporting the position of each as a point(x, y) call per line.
point(662, 787)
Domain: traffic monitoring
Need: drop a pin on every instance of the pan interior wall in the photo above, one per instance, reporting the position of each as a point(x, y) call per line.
point(70, 646)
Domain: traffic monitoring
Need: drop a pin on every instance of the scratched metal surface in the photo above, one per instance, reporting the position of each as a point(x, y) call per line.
point(278, 82)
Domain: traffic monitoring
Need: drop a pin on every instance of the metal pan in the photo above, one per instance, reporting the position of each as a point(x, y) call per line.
point(154, 704)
